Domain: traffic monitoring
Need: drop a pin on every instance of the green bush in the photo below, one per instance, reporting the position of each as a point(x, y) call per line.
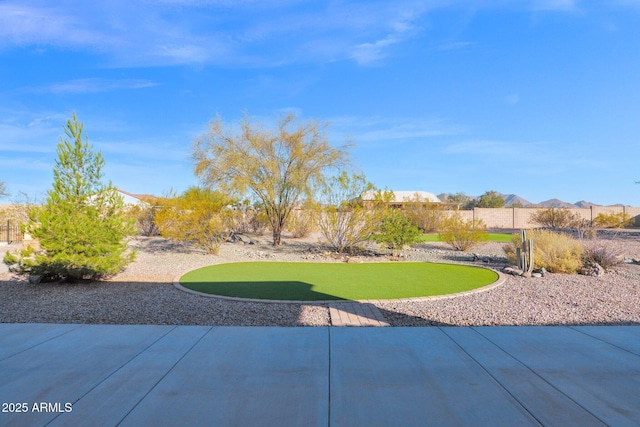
point(555, 252)
point(396, 230)
point(463, 234)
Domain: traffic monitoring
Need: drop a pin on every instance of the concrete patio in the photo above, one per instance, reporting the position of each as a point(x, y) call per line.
point(268, 376)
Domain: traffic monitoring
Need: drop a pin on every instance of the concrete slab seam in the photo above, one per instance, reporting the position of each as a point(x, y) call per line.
point(473, 328)
point(165, 375)
point(42, 342)
point(120, 367)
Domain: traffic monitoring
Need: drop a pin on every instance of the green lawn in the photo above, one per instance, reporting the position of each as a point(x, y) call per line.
point(335, 281)
point(493, 237)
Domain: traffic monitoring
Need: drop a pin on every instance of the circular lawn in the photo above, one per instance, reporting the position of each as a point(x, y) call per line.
point(302, 281)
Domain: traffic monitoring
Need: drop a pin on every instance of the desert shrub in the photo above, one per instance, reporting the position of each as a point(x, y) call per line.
point(301, 223)
point(144, 217)
point(613, 220)
point(198, 216)
point(556, 252)
point(555, 218)
point(258, 221)
point(585, 228)
point(428, 216)
point(342, 218)
point(16, 214)
point(463, 234)
point(602, 255)
point(396, 230)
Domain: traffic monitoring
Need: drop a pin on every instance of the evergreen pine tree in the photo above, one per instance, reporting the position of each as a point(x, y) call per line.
point(81, 228)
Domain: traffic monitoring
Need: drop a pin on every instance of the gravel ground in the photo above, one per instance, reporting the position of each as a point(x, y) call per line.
point(144, 294)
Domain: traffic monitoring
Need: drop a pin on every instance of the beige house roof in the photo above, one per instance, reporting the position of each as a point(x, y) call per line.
point(130, 199)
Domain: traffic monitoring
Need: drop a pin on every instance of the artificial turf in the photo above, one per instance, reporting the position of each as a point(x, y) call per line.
point(335, 281)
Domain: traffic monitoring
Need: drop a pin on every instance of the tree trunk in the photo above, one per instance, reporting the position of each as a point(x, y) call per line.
point(276, 237)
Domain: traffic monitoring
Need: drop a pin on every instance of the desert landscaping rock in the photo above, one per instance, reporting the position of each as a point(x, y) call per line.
point(144, 294)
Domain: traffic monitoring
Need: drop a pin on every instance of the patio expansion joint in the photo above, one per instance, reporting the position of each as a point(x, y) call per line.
point(520, 362)
point(166, 373)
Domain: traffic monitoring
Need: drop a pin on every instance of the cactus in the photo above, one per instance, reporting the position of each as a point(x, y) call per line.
point(524, 255)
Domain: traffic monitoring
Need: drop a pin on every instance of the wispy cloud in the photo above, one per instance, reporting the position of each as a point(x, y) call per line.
point(236, 33)
point(387, 129)
point(499, 149)
point(92, 85)
point(43, 24)
point(512, 98)
point(170, 32)
point(22, 133)
point(455, 45)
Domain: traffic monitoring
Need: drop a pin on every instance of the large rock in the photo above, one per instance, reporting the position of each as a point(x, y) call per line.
point(592, 269)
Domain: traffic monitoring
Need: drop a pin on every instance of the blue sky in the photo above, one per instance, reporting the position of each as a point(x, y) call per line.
point(539, 98)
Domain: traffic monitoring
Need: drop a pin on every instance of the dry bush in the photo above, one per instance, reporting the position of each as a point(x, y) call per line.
point(463, 234)
point(258, 222)
point(555, 218)
point(428, 216)
point(586, 229)
point(144, 217)
point(602, 255)
point(556, 252)
point(198, 216)
point(342, 218)
point(613, 220)
point(301, 223)
point(16, 214)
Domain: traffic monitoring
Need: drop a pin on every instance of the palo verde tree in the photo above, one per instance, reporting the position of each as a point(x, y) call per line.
point(197, 216)
point(81, 227)
point(279, 166)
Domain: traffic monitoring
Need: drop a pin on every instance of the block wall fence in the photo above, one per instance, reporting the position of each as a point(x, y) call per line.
point(521, 217)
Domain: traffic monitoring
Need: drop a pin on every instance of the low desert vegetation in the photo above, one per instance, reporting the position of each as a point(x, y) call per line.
point(342, 218)
point(602, 255)
point(145, 219)
point(302, 222)
point(463, 234)
point(395, 230)
point(199, 216)
point(613, 220)
point(555, 252)
point(428, 216)
point(554, 218)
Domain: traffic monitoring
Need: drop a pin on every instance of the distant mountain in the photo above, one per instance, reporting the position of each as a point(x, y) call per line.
point(556, 203)
point(584, 204)
point(514, 199)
